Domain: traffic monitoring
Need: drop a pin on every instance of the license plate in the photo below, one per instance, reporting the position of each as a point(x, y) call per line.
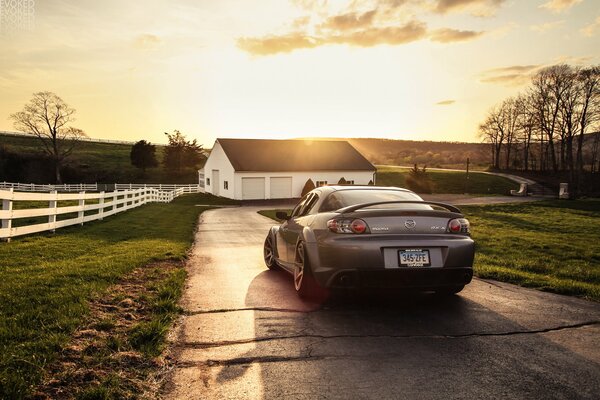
point(414, 258)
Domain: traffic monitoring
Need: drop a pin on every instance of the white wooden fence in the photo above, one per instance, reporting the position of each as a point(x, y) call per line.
point(32, 187)
point(106, 204)
point(160, 186)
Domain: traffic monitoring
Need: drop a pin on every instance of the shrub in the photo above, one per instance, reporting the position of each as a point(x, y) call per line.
point(418, 181)
point(308, 186)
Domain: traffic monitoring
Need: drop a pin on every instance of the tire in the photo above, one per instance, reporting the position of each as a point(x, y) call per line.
point(304, 282)
point(449, 291)
point(269, 254)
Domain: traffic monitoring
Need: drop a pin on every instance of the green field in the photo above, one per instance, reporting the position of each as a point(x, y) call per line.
point(46, 281)
point(549, 245)
point(101, 162)
point(450, 181)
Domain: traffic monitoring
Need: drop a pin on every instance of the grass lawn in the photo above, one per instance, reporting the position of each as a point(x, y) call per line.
point(551, 245)
point(450, 181)
point(47, 281)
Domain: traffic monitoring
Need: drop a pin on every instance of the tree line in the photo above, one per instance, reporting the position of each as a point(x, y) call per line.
point(551, 126)
point(178, 155)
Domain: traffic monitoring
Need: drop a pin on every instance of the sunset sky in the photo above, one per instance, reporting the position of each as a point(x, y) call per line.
point(402, 69)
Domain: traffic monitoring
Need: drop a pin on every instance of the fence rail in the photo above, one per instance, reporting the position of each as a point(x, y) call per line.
point(99, 205)
point(32, 187)
point(94, 187)
point(159, 186)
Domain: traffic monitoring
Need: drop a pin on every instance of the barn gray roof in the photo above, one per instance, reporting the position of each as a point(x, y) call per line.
point(262, 155)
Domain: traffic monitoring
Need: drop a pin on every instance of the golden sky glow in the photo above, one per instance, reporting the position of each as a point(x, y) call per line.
point(403, 69)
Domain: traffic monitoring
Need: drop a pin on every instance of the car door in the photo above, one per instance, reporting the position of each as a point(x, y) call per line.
point(283, 232)
point(296, 224)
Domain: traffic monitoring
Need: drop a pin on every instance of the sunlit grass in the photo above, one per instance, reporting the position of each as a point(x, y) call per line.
point(551, 245)
point(47, 279)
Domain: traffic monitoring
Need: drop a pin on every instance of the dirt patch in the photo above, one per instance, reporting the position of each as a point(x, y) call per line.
point(100, 362)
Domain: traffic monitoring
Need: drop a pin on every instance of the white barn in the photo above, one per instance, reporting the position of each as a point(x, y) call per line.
point(252, 169)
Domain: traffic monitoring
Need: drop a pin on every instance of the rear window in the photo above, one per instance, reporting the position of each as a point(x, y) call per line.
point(345, 198)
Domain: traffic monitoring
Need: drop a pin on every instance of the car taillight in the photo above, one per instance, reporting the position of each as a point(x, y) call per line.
point(459, 225)
point(357, 226)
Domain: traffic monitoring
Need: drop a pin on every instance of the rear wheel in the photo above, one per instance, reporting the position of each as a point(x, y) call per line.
point(269, 253)
point(449, 291)
point(304, 281)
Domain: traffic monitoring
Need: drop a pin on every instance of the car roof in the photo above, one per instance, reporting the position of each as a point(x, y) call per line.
point(335, 188)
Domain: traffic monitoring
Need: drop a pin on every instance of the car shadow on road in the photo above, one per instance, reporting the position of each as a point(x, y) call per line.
point(391, 345)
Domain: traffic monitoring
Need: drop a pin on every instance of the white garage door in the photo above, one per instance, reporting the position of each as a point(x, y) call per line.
point(281, 187)
point(253, 188)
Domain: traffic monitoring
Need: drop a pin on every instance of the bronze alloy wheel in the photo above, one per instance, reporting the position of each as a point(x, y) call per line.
point(269, 253)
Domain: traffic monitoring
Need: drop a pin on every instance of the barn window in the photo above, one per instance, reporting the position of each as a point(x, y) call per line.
point(321, 183)
point(207, 181)
point(226, 185)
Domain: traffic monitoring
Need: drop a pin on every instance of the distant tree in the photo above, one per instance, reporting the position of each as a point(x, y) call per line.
point(342, 181)
point(47, 117)
point(308, 186)
point(418, 180)
point(371, 183)
point(143, 155)
point(180, 153)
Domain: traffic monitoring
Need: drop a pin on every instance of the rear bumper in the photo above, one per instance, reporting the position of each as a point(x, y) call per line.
point(372, 261)
point(424, 278)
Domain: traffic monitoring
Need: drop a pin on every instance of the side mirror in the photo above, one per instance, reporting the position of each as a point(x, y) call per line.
point(282, 215)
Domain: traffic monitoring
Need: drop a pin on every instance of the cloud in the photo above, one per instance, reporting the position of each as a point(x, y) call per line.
point(393, 35)
point(515, 75)
point(146, 41)
point(274, 44)
point(545, 27)
point(277, 44)
point(591, 29)
point(364, 24)
point(350, 20)
point(447, 35)
point(445, 102)
point(482, 8)
point(574, 60)
point(301, 22)
point(558, 6)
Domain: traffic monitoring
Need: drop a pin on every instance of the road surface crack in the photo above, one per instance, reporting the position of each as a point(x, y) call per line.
point(206, 345)
point(227, 310)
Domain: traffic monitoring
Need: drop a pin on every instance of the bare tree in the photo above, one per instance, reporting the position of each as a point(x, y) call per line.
point(526, 127)
point(47, 117)
point(589, 86)
point(548, 87)
point(491, 131)
point(500, 128)
point(569, 104)
point(510, 109)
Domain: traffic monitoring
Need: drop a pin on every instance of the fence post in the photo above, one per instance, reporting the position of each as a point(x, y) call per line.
point(52, 204)
point(7, 205)
point(80, 214)
point(101, 204)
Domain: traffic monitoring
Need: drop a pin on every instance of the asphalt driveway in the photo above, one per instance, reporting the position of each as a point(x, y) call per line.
point(245, 334)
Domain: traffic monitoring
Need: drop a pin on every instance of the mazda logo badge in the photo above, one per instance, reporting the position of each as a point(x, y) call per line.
point(410, 224)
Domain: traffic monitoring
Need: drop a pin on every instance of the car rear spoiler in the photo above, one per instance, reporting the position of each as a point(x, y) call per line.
point(433, 203)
